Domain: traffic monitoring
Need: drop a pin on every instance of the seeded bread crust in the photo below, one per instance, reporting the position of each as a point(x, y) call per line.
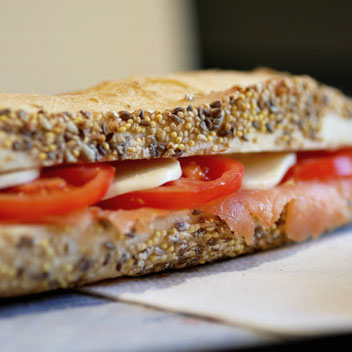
point(41, 258)
point(191, 113)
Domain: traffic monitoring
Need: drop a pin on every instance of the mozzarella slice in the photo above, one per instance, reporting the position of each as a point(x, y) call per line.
point(264, 170)
point(18, 178)
point(137, 175)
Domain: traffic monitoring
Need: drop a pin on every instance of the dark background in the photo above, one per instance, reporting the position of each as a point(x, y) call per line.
point(302, 37)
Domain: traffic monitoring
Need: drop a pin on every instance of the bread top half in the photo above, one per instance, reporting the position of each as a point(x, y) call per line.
point(183, 114)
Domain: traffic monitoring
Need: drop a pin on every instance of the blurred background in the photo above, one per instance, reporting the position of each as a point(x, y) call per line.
point(53, 46)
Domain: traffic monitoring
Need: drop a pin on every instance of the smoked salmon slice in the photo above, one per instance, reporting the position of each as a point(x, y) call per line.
point(310, 208)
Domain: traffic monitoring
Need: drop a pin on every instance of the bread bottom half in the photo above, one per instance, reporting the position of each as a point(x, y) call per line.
point(37, 258)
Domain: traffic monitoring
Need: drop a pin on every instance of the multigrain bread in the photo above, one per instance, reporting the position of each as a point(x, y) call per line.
point(191, 113)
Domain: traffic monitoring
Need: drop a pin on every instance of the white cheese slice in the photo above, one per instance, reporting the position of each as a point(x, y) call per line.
point(137, 175)
point(18, 178)
point(264, 170)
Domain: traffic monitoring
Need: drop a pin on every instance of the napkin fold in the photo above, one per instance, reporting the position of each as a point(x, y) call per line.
point(300, 289)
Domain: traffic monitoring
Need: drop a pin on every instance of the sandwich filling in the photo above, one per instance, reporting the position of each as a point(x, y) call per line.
point(313, 190)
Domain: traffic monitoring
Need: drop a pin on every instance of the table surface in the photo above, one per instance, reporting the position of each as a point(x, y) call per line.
point(74, 321)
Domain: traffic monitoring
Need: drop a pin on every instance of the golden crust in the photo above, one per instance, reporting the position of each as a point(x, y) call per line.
point(138, 92)
point(204, 112)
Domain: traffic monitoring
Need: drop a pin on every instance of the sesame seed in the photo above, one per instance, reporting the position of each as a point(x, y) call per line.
point(72, 127)
point(201, 137)
point(175, 118)
point(87, 153)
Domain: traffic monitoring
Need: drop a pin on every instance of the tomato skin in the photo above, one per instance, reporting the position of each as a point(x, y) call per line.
point(41, 185)
point(32, 203)
point(321, 165)
point(205, 178)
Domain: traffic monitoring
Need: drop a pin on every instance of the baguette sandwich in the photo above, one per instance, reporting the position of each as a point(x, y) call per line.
point(152, 173)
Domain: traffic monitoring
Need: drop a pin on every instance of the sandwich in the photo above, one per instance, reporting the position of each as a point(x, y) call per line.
point(148, 174)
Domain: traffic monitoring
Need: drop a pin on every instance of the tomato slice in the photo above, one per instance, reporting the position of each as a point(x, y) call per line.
point(204, 178)
point(59, 191)
point(321, 165)
point(42, 185)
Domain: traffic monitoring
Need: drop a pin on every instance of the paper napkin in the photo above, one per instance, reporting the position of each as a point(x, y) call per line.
point(299, 289)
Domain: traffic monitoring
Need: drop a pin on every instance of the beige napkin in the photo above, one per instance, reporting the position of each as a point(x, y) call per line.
point(299, 289)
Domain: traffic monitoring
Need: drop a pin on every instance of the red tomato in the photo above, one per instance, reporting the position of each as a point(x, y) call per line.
point(321, 165)
point(204, 178)
point(194, 171)
point(59, 191)
point(41, 185)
